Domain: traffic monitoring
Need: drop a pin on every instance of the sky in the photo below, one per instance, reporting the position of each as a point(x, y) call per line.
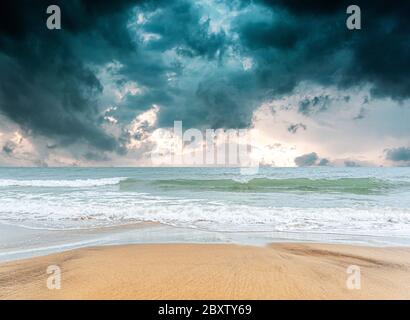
point(106, 89)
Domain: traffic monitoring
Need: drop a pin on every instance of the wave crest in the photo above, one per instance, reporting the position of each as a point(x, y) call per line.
point(78, 183)
point(341, 185)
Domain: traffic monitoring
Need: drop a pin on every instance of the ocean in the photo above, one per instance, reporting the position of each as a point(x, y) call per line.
point(346, 200)
point(366, 202)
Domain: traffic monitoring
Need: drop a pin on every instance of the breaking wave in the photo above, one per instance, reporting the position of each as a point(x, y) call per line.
point(342, 185)
point(78, 183)
point(256, 185)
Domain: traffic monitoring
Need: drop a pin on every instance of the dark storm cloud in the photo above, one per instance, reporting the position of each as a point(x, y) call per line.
point(324, 162)
point(219, 102)
point(9, 147)
point(49, 87)
point(178, 25)
point(281, 34)
point(325, 51)
point(94, 156)
point(293, 128)
point(398, 154)
point(197, 97)
point(307, 160)
point(309, 106)
point(45, 83)
point(316, 104)
point(55, 81)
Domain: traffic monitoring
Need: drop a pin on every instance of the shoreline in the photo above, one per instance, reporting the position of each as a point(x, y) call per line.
point(212, 271)
point(19, 242)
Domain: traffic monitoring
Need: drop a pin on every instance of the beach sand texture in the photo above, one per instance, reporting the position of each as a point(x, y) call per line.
point(212, 271)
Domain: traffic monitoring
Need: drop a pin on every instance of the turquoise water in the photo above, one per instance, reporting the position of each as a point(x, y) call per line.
point(351, 201)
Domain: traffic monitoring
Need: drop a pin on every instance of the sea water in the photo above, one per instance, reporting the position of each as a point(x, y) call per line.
point(351, 201)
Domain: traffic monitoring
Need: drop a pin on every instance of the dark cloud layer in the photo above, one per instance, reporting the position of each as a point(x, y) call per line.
point(49, 84)
point(398, 154)
point(328, 51)
point(289, 42)
point(307, 160)
point(293, 128)
point(8, 148)
point(45, 83)
point(324, 162)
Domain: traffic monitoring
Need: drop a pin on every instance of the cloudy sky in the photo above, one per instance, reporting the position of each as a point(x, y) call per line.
point(97, 92)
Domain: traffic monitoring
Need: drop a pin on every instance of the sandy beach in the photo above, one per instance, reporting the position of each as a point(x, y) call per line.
point(212, 271)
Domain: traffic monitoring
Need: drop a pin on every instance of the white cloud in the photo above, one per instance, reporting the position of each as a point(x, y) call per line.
point(141, 127)
point(247, 64)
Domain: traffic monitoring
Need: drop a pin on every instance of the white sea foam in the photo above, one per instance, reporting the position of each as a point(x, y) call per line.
point(88, 209)
point(77, 183)
point(323, 200)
